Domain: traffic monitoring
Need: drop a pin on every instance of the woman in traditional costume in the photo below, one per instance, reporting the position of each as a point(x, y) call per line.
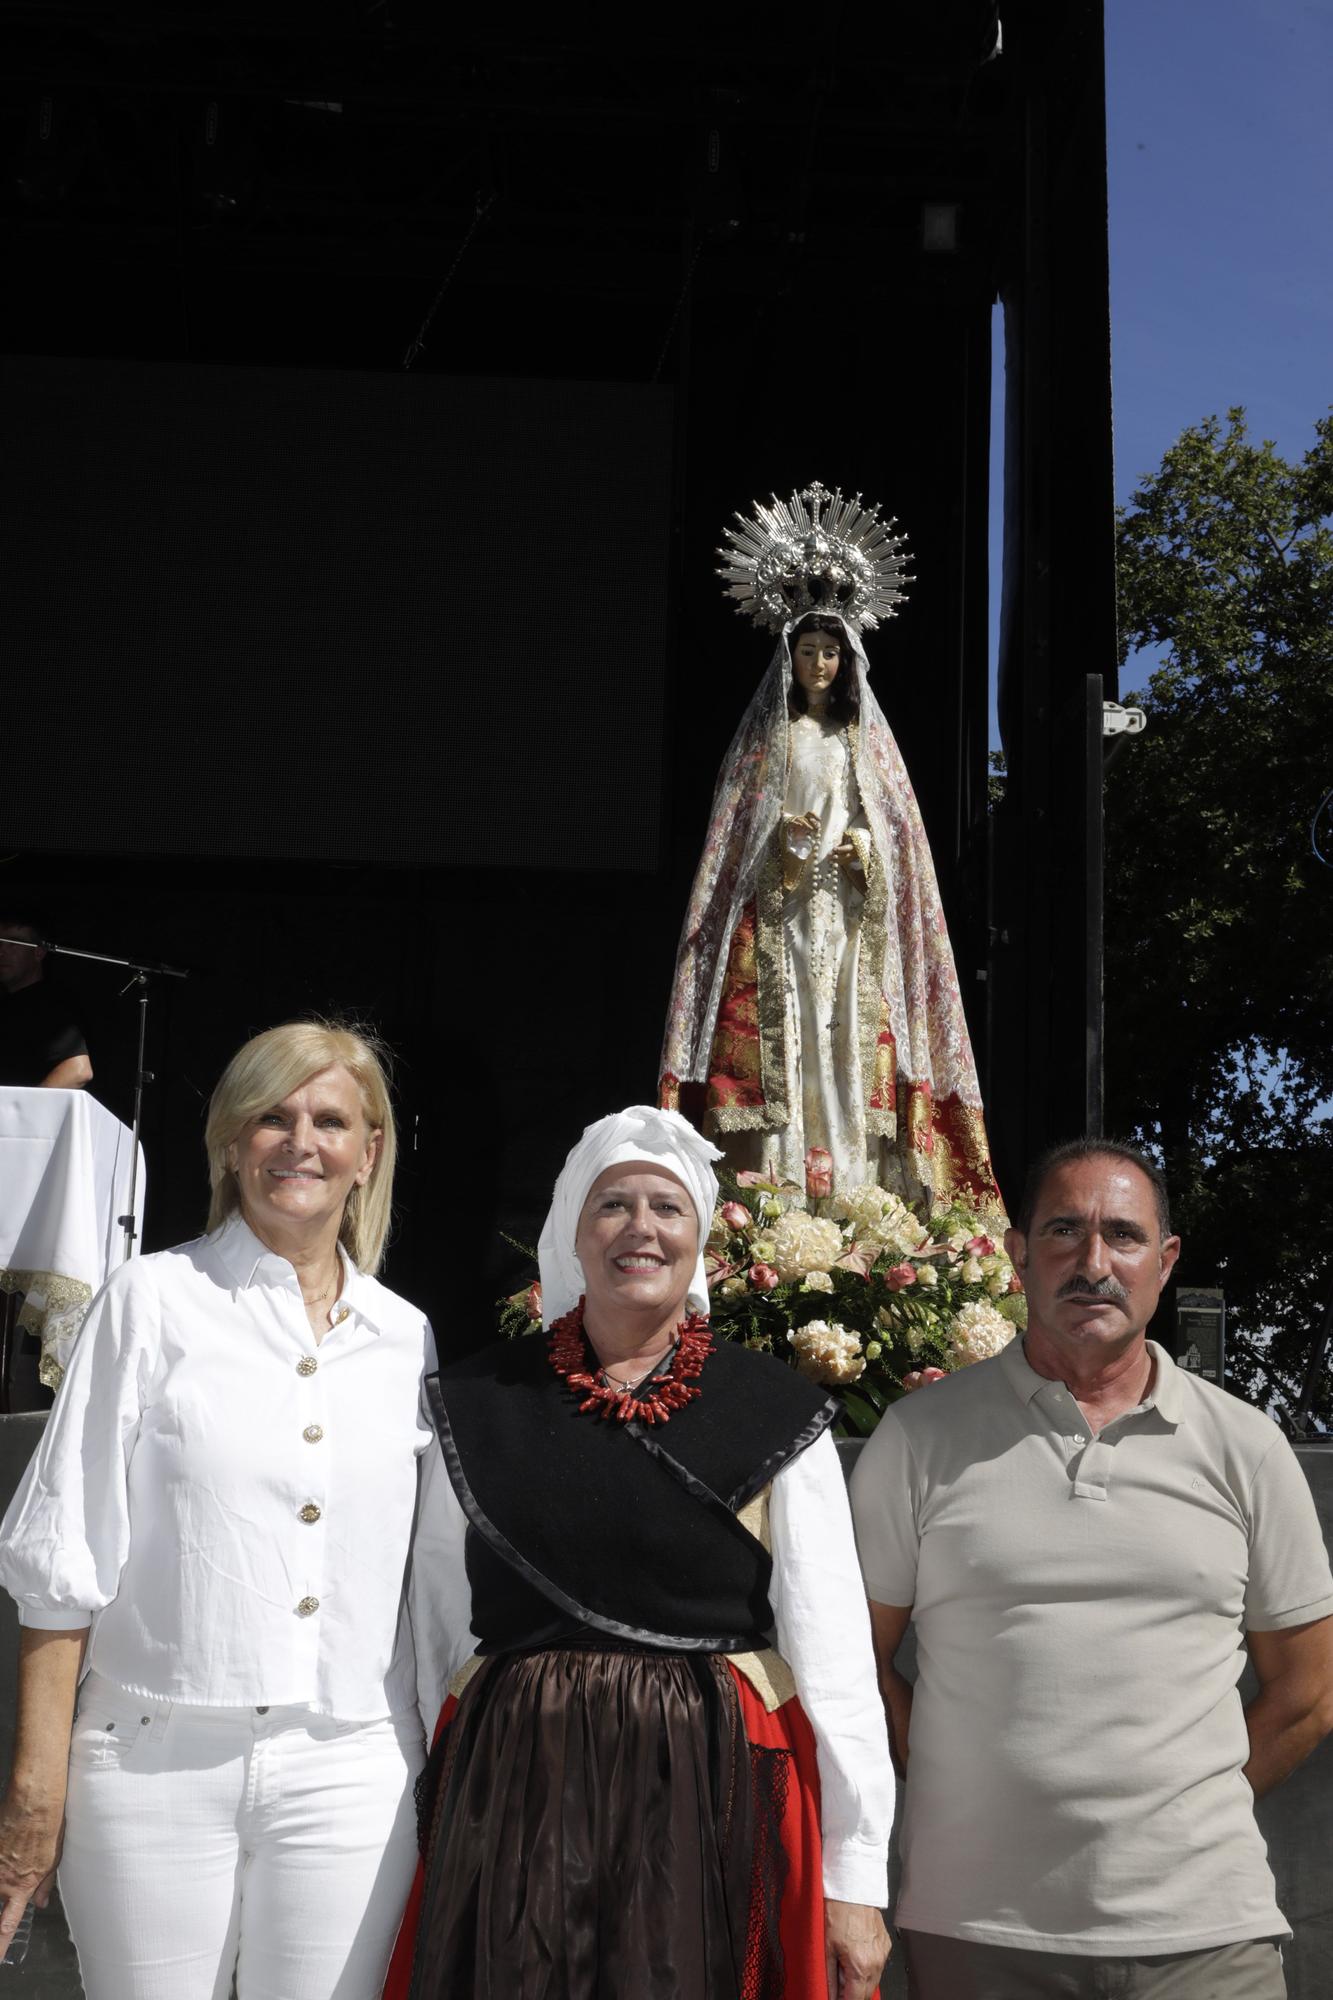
point(815, 995)
point(662, 1770)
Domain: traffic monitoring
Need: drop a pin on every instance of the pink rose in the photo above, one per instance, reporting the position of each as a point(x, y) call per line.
point(899, 1276)
point(921, 1378)
point(532, 1304)
point(736, 1215)
point(763, 1277)
point(981, 1246)
point(818, 1172)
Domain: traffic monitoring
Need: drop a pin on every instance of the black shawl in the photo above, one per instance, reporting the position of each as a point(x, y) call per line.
point(625, 1529)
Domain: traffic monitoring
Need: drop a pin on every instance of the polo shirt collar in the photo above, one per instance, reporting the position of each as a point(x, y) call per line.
point(248, 1262)
point(1021, 1377)
point(1165, 1395)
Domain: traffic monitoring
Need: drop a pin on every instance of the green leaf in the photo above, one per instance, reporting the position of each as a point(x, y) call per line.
point(860, 1413)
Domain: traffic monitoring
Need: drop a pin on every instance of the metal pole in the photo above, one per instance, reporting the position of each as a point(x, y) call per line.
point(1093, 861)
point(129, 1222)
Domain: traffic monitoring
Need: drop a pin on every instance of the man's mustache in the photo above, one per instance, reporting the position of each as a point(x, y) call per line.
point(1093, 1288)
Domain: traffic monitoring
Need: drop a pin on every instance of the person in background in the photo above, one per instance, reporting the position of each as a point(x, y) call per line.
point(220, 1512)
point(40, 1041)
point(1087, 1540)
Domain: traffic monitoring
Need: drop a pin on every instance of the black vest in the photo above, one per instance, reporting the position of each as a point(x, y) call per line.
point(625, 1530)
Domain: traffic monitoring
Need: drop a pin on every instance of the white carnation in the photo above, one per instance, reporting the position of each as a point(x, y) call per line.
point(978, 1332)
point(864, 1206)
point(827, 1353)
point(803, 1243)
point(881, 1219)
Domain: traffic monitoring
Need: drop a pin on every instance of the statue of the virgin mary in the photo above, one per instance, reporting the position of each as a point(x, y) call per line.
point(815, 994)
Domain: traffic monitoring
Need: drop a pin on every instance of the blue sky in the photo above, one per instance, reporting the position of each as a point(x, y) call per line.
point(1220, 168)
point(1220, 162)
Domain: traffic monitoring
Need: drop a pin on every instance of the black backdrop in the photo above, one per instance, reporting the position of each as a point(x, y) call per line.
point(345, 692)
point(336, 616)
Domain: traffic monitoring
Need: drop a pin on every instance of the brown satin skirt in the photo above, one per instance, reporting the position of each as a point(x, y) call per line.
point(591, 1834)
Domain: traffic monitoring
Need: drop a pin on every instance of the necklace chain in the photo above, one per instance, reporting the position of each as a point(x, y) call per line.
point(329, 1289)
point(606, 1376)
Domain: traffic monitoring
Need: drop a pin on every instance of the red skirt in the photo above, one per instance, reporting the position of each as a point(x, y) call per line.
point(785, 1951)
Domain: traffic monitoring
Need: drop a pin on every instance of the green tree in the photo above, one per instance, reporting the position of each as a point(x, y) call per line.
point(1219, 914)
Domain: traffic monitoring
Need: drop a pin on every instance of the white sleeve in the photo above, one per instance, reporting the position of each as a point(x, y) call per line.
point(439, 1596)
point(64, 1540)
point(823, 1633)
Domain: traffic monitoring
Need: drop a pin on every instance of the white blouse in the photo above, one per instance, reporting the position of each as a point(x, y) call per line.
point(226, 1503)
point(823, 1633)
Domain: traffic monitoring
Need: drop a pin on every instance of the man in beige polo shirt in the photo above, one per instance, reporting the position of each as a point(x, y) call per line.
point(1085, 1539)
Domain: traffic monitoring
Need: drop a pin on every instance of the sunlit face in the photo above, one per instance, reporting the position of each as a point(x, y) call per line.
point(1094, 1262)
point(815, 659)
point(296, 1163)
point(638, 1242)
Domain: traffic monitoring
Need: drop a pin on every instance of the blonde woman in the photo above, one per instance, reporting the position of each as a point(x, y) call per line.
point(219, 1515)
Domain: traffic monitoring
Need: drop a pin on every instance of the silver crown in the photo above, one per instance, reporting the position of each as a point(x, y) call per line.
point(815, 552)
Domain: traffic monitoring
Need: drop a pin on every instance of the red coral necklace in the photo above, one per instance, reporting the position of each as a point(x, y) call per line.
point(569, 1356)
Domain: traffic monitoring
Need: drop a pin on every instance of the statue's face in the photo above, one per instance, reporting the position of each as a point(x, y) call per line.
point(815, 660)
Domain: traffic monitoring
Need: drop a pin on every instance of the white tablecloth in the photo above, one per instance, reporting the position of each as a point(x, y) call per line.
point(64, 1181)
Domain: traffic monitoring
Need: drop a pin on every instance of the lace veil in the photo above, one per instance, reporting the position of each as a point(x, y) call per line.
point(918, 981)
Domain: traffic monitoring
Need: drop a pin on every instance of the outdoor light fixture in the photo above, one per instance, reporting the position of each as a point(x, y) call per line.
point(1118, 721)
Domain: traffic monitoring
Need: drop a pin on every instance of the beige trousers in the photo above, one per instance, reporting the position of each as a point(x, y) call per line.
point(945, 1968)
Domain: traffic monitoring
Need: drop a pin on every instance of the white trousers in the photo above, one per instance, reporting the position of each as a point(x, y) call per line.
point(198, 1841)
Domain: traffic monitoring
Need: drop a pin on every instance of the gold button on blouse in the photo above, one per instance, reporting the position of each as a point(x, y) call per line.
point(307, 1607)
point(306, 1365)
point(313, 1433)
point(310, 1512)
point(340, 1313)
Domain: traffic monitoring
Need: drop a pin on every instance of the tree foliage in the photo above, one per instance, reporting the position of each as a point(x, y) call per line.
point(1219, 914)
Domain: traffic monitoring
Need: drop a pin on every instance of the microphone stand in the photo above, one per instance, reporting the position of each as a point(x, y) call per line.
point(140, 974)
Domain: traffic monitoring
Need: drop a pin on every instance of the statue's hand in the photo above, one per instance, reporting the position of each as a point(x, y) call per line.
point(846, 853)
point(801, 835)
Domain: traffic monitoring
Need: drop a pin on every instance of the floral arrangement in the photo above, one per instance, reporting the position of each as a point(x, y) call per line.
point(855, 1290)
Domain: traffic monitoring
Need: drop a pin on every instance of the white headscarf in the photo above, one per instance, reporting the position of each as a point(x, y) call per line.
point(642, 1133)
